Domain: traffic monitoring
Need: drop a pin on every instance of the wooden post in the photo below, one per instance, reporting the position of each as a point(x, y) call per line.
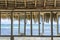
point(25, 2)
point(6, 3)
point(15, 3)
point(31, 23)
point(43, 25)
point(25, 24)
point(57, 25)
point(44, 3)
point(39, 23)
point(19, 25)
point(54, 3)
point(0, 23)
point(12, 38)
point(35, 2)
point(51, 15)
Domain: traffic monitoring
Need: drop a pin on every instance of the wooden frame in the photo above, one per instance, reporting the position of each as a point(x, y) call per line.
point(12, 36)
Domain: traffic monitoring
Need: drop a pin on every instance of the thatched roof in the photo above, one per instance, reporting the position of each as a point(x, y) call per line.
point(47, 17)
point(28, 16)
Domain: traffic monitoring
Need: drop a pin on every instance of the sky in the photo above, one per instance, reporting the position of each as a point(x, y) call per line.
point(8, 21)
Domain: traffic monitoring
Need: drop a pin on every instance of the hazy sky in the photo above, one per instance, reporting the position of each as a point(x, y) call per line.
point(8, 21)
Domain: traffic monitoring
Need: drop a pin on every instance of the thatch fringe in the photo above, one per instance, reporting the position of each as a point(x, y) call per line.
point(34, 16)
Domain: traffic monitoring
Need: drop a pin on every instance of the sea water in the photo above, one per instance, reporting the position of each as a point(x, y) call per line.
point(6, 29)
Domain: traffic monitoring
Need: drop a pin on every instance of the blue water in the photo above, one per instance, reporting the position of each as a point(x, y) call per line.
point(6, 29)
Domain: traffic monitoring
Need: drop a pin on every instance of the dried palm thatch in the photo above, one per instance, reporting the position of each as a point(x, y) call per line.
point(47, 17)
point(34, 16)
point(5, 16)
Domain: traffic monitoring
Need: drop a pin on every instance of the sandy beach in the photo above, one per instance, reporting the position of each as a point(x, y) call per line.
point(29, 38)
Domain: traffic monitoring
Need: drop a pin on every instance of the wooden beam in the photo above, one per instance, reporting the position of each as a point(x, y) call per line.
point(31, 10)
point(39, 23)
point(57, 24)
point(35, 3)
point(25, 24)
point(12, 38)
point(51, 15)
point(0, 23)
point(43, 25)
point(19, 25)
point(15, 2)
point(54, 3)
point(31, 23)
point(44, 3)
point(6, 2)
point(25, 1)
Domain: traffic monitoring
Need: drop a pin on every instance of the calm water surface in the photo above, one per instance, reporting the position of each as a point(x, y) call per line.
point(6, 29)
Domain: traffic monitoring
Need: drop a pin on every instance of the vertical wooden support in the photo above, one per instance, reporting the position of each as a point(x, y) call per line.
point(43, 25)
point(44, 3)
point(39, 23)
point(19, 25)
point(54, 3)
point(12, 38)
point(31, 23)
point(0, 23)
point(35, 2)
point(6, 3)
point(25, 24)
point(51, 15)
point(57, 25)
point(15, 3)
point(25, 1)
